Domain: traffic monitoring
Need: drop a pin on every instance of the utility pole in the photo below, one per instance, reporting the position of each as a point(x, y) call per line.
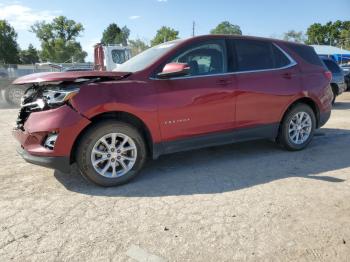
point(193, 28)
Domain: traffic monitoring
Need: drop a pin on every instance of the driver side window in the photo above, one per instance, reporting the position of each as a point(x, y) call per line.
point(204, 59)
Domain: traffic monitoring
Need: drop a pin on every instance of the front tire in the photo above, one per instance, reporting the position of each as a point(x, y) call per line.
point(297, 128)
point(111, 153)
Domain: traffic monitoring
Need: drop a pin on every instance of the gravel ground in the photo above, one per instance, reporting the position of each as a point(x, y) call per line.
point(245, 202)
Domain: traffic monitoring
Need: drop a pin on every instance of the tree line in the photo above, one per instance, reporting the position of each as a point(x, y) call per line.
point(59, 39)
point(332, 33)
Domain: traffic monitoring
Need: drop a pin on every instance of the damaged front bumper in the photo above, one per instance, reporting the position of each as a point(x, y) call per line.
point(64, 122)
point(60, 163)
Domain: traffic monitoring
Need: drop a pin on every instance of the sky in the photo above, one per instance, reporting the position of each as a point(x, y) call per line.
point(269, 18)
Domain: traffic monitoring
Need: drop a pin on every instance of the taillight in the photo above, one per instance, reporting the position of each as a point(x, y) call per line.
point(328, 75)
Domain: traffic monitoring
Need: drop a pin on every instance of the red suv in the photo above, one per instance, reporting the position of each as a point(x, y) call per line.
point(180, 95)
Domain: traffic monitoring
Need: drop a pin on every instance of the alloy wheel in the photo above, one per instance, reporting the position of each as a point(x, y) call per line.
point(300, 127)
point(114, 155)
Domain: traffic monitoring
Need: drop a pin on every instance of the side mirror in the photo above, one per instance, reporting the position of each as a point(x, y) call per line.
point(174, 70)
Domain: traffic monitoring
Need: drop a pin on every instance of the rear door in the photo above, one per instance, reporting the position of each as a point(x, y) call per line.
point(202, 102)
point(267, 79)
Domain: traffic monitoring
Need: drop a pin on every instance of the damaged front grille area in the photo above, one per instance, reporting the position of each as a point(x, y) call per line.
point(40, 98)
point(31, 102)
point(21, 118)
point(48, 95)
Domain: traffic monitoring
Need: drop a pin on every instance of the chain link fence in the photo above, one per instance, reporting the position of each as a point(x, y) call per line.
point(11, 95)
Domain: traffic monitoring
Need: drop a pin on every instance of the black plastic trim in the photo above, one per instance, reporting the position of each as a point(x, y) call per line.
point(269, 131)
point(324, 117)
point(60, 163)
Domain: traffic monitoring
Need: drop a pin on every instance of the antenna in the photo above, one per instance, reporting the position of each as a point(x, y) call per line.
point(193, 28)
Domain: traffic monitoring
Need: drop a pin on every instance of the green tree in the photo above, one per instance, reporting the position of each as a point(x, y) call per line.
point(137, 46)
point(9, 50)
point(315, 34)
point(125, 35)
point(344, 40)
point(115, 35)
point(226, 28)
point(294, 36)
point(58, 40)
point(332, 33)
point(29, 56)
point(165, 34)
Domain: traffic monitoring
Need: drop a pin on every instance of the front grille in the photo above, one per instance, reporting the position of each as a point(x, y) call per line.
point(22, 118)
point(28, 106)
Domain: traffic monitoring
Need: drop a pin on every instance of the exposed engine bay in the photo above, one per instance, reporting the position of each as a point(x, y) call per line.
point(44, 97)
point(51, 90)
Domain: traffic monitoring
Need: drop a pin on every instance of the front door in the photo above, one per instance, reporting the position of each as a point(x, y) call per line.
point(202, 102)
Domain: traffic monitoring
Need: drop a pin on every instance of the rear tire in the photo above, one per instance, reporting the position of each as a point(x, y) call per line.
point(297, 128)
point(107, 163)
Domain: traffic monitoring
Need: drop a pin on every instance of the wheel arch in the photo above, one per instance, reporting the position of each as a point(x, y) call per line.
point(120, 116)
point(304, 100)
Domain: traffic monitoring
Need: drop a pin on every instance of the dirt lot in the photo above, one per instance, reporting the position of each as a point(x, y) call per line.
point(250, 201)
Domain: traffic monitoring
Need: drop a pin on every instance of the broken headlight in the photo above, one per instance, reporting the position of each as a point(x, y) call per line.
point(56, 97)
point(49, 97)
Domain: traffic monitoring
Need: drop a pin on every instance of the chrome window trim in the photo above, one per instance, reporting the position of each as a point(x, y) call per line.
point(291, 60)
point(291, 64)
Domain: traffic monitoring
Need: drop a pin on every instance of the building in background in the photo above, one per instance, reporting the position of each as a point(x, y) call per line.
point(339, 55)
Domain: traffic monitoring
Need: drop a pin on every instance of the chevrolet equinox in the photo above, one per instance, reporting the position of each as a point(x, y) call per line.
point(180, 95)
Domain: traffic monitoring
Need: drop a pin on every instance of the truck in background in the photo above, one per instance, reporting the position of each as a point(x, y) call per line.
point(108, 57)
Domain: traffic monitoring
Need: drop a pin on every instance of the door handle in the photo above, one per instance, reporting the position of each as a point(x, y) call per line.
point(224, 82)
point(287, 75)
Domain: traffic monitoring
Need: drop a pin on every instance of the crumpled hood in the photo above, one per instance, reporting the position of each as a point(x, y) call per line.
point(67, 76)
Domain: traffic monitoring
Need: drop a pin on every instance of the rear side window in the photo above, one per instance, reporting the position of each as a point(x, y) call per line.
point(307, 53)
point(251, 55)
point(332, 66)
point(280, 59)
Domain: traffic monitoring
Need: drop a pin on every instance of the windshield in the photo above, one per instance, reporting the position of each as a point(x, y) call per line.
point(118, 56)
point(146, 58)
